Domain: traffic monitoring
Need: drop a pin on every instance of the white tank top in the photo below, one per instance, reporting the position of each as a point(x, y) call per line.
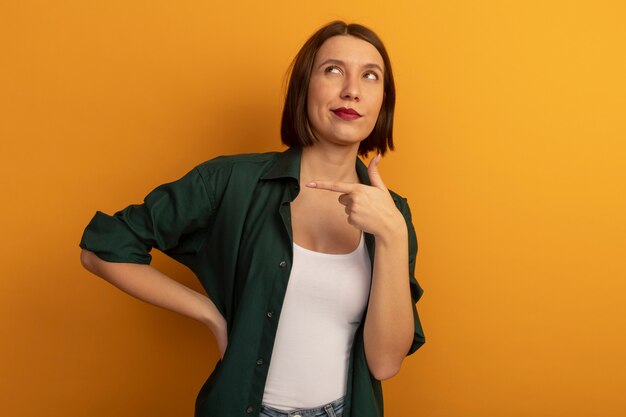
point(325, 300)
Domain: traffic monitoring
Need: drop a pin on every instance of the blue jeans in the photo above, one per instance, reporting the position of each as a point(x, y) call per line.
point(332, 409)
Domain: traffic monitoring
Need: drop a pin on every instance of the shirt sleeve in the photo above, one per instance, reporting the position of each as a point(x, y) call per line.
point(416, 289)
point(173, 218)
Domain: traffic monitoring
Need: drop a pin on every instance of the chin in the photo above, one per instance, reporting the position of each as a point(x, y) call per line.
point(343, 138)
point(350, 143)
point(349, 139)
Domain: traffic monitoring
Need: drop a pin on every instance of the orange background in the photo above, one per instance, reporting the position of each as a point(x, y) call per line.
point(510, 133)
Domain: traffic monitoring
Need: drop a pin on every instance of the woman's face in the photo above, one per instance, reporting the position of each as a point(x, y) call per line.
point(345, 91)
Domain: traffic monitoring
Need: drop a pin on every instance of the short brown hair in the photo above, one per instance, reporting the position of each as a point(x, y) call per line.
point(295, 129)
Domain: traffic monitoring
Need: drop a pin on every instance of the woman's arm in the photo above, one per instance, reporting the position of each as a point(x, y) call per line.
point(150, 285)
point(389, 324)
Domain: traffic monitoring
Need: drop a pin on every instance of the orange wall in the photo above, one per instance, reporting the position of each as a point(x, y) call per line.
point(510, 147)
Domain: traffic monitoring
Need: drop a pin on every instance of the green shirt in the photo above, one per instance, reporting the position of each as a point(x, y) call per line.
point(228, 220)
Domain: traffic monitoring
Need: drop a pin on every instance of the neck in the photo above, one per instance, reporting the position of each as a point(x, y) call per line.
point(323, 163)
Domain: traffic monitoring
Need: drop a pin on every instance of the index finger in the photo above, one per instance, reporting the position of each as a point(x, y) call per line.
point(336, 186)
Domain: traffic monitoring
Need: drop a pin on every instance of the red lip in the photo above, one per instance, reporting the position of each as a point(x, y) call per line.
point(346, 113)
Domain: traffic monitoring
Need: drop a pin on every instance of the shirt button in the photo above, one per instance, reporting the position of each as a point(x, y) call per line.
point(249, 410)
point(259, 361)
point(270, 314)
point(282, 264)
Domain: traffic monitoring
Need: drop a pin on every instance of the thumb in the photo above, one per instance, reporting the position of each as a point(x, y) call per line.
point(372, 170)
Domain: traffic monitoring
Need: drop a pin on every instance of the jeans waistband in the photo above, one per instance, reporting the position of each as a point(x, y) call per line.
point(332, 409)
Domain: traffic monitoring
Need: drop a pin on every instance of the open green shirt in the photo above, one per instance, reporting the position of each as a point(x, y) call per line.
point(228, 220)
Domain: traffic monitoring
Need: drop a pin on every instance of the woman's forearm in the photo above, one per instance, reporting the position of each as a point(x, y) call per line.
point(389, 323)
point(150, 285)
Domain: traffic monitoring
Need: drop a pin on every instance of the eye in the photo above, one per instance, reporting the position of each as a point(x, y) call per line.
point(371, 75)
point(332, 69)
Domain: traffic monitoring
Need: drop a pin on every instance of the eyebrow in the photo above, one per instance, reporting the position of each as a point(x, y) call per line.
point(339, 62)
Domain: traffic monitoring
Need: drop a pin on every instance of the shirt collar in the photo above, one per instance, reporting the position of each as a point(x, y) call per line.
point(288, 166)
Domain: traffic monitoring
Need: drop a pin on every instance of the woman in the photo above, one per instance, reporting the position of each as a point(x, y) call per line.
point(309, 235)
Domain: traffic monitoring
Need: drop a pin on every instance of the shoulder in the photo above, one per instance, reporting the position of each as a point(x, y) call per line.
point(235, 173)
point(402, 204)
point(239, 162)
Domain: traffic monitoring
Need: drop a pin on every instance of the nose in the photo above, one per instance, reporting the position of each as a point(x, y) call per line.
point(351, 88)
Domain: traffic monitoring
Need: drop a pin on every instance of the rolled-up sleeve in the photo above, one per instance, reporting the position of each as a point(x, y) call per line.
point(173, 218)
point(416, 289)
